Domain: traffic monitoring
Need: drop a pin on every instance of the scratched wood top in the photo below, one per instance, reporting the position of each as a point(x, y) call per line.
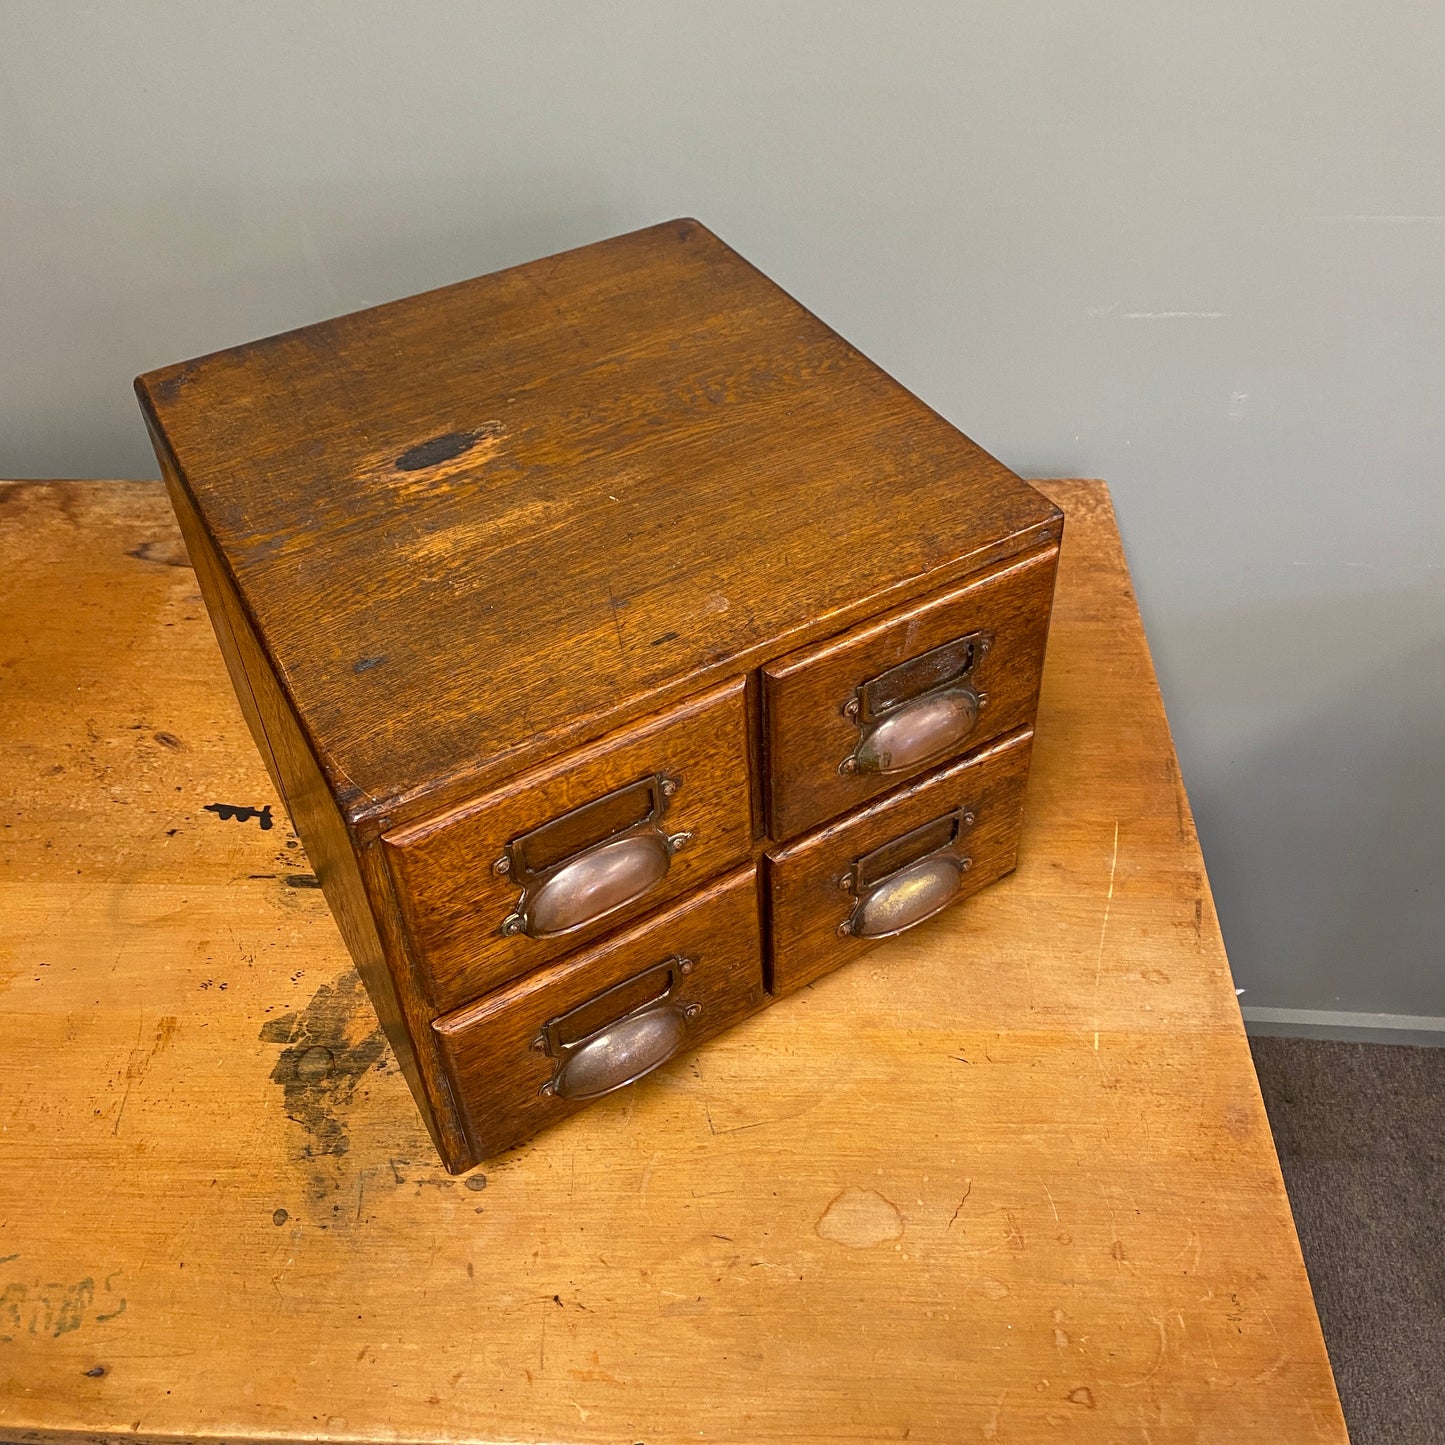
point(478, 525)
point(1005, 1179)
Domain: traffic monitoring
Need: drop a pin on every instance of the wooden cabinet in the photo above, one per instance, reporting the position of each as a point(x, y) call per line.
point(597, 614)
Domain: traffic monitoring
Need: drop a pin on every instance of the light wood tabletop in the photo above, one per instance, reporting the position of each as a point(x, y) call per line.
point(1008, 1178)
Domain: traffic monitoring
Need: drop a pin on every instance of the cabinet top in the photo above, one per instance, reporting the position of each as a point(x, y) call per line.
point(483, 523)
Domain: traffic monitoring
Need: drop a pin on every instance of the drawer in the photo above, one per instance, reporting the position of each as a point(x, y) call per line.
point(504, 885)
point(850, 718)
point(889, 866)
point(536, 1051)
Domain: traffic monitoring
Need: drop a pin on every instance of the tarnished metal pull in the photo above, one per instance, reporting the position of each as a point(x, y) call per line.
point(916, 731)
point(915, 712)
point(623, 1048)
point(907, 880)
point(588, 863)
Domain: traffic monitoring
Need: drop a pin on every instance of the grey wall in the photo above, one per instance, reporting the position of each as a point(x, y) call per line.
point(1195, 249)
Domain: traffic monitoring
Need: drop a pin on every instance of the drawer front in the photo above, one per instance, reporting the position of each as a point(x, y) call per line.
point(851, 718)
point(504, 885)
point(886, 868)
point(538, 1050)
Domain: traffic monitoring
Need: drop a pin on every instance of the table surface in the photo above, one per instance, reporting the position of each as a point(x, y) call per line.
point(1007, 1178)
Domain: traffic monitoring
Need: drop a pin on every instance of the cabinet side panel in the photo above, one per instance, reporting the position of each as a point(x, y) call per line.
point(323, 832)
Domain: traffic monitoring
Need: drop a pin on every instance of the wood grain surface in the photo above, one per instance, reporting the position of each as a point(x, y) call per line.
point(481, 524)
point(1006, 1179)
point(453, 902)
point(806, 901)
point(352, 880)
point(496, 1073)
point(803, 693)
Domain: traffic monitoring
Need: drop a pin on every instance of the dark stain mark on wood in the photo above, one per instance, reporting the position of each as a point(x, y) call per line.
point(330, 1045)
point(168, 388)
point(666, 637)
point(315, 1063)
point(967, 1191)
point(49, 1309)
point(238, 813)
point(95, 1372)
point(439, 449)
point(71, 1311)
point(169, 740)
point(279, 1217)
point(365, 664)
point(301, 880)
point(100, 1319)
point(163, 551)
point(476, 1182)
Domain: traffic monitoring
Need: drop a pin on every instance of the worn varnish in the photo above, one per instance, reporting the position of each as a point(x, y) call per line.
point(804, 693)
point(979, 803)
point(454, 901)
point(501, 1076)
point(535, 505)
point(546, 597)
point(1006, 1179)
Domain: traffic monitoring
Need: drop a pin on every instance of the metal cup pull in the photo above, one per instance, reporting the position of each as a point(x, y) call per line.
point(592, 861)
point(917, 731)
point(915, 712)
point(907, 880)
point(624, 1047)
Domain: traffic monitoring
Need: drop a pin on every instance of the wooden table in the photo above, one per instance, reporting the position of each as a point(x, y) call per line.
point(1007, 1179)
